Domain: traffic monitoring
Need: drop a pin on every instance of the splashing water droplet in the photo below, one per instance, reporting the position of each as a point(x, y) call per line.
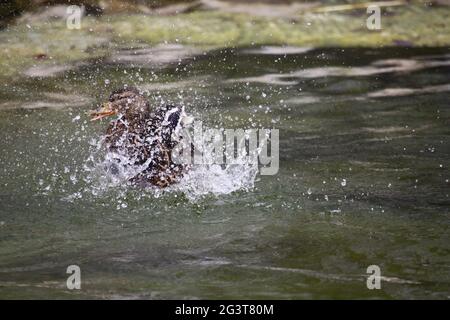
point(107, 171)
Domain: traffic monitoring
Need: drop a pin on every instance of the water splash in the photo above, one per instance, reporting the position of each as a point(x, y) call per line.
point(217, 180)
point(109, 172)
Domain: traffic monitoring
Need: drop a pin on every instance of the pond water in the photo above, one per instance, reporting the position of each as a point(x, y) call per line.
point(363, 179)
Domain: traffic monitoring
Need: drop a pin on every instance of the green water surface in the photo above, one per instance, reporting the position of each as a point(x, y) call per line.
point(363, 180)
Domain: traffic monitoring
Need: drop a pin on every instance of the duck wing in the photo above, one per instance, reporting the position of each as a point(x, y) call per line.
point(161, 136)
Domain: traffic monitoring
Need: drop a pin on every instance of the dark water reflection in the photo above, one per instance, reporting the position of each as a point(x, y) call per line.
point(364, 158)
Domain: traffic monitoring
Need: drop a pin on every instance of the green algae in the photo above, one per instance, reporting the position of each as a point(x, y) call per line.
point(48, 44)
point(419, 25)
point(51, 42)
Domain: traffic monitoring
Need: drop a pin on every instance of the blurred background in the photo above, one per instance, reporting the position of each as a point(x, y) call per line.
point(107, 24)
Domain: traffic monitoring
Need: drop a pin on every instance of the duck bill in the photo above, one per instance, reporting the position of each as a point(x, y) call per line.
point(106, 110)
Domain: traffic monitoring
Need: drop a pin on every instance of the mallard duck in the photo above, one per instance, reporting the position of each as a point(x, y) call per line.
point(144, 135)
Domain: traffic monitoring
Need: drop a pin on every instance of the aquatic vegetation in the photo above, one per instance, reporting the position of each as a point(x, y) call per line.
point(51, 43)
point(307, 29)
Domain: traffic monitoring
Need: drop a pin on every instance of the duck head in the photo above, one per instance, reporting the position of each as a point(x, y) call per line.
point(127, 102)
